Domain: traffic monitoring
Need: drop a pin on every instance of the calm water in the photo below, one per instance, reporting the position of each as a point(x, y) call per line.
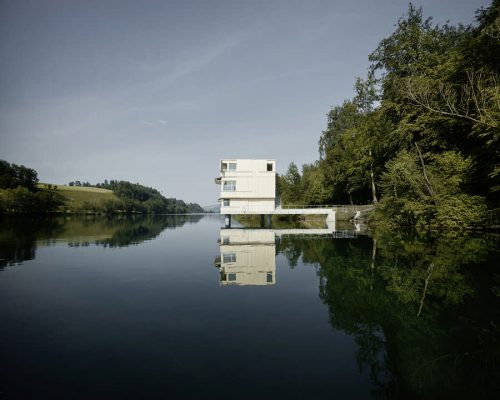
point(176, 307)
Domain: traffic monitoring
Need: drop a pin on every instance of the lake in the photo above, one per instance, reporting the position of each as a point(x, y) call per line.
point(179, 307)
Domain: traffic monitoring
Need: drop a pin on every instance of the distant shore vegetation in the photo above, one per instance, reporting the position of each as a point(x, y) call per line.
point(420, 138)
point(22, 193)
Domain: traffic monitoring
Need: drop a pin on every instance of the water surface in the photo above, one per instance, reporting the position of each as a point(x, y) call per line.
point(178, 307)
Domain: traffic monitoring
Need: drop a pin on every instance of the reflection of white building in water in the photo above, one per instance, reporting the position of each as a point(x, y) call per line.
point(247, 257)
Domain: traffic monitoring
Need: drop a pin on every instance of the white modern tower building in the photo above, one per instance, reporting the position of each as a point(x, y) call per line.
point(247, 186)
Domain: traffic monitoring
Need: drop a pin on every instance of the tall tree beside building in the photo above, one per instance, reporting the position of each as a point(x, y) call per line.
point(421, 135)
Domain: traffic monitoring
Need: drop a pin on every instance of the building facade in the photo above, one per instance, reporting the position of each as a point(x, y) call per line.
point(247, 186)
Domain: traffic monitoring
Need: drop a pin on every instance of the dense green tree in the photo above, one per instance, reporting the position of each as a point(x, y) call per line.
point(421, 135)
point(195, 208)
point(313, 185)
point(289, 185)
point(22, 201)
point(20, 194)
point(12, 176)
point(338, 150)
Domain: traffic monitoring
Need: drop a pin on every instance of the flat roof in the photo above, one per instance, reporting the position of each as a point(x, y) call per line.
point(247, 159)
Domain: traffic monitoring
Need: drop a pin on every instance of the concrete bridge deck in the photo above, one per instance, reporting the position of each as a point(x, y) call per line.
point(323, 209)
point(333, 212)
point(304, 210)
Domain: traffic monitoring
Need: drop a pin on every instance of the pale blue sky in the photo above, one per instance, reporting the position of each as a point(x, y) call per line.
point(156, 92)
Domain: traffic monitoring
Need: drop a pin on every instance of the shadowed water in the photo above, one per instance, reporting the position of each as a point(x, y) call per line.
point(159, 307)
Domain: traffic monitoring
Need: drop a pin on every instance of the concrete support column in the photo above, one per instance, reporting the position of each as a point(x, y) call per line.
point(330, 220)
point(227, 221)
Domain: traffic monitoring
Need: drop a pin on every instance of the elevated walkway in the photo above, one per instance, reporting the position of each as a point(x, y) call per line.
point(332, 212)
point(303, 211)
point(324, 209)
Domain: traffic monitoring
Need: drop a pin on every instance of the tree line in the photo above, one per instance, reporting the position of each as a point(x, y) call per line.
point(137, 198)
point(21, 193)
point(420, 137)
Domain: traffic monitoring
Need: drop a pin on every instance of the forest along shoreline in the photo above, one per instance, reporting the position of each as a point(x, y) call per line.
point(22, 193)
point(420, 137)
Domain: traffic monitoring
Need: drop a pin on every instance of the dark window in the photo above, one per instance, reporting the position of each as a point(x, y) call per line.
point(269, 166)
point(228, 258)
point(229, 186)
point(226, 202)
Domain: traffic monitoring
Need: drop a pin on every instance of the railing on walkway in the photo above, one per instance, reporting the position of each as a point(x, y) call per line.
point(341, 206)
point(343, 234)
point(288, 206)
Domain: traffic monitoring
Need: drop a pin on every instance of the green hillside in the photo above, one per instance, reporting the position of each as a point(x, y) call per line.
point(21, 192)
point(76, 196)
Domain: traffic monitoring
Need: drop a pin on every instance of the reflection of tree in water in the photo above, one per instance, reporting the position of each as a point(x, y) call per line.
point(19, 237)
point(424, 314)
point(132, 230)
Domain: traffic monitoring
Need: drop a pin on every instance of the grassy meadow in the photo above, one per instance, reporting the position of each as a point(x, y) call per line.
point(77, 196)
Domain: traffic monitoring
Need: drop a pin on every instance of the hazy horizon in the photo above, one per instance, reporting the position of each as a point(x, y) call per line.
point(158, 92)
